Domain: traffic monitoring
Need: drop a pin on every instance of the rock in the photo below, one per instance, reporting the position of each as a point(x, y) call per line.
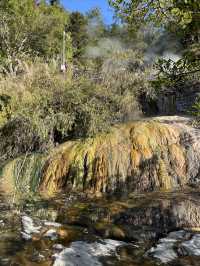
point(29, 228)
point(179, 235)
point(117, 233)
point(191, 247)
point(47, 223)
point(84, 254)
point(26, 236)
point(176, 244)
point(164, 251)
point(29, 178)
point(65, 233)
point(52, 234)
point(111, 231)
point(163, 212)
point(69, 233)
point(138, 218)
point(51, 230)
point(58, 247)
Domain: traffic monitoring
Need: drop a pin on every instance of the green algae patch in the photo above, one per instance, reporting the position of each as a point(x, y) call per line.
point(23, 174)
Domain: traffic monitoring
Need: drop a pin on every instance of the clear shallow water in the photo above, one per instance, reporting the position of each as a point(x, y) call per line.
point(73, 230)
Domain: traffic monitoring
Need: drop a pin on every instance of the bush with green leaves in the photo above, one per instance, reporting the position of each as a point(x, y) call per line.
point(28, 30)
point(174, 76)
point(177, 16)
point(41, 108)
point(196, 109)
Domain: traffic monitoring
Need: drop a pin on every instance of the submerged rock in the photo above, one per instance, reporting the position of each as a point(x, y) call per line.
point(137, 217)
point(58, 247)
point(54, 224)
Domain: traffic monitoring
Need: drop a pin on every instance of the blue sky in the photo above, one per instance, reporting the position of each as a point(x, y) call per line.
point(85, 5)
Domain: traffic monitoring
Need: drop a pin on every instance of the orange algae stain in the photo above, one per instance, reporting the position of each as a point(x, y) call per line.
point(135, 159)
point(56, 169)
point(165, 181)
point(100, 174)
point(178, 157)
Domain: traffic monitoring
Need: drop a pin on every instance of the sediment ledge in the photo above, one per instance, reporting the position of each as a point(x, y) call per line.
point(156, 154)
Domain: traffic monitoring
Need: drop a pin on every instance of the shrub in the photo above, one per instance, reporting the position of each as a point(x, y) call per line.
point(40, 108)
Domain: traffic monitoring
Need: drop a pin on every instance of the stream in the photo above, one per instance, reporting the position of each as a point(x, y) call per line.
point(157, 228)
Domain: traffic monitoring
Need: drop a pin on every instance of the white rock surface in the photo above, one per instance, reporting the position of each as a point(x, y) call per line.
point(86, 254)
point(54, 224)
point(58, 247)
point(191, 247)
point(164, 250)
point(28, 227)
point(51, 233)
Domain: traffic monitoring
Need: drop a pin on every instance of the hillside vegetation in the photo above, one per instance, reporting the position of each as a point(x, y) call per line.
point(110, 70)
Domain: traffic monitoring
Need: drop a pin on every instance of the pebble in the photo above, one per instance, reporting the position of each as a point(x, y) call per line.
point(52, 234)
point(52, 224)
point(29, 228)
point(58, 247)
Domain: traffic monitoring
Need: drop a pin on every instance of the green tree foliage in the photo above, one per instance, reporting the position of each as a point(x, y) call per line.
point(40, 107)
point(96, 28)
point(161, 12)
point(175, 76)
point(196, 109)
point(53, 2)
point(180, 18)
point(28, 30)
point(78, 28)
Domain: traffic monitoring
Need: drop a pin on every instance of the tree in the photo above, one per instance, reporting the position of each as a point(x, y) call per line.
point(78, 28)
point(96, 26)
point(171, 14)
point(54, 2)
point(29, 31)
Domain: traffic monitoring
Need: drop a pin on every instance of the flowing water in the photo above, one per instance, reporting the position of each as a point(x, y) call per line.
point(138, 230)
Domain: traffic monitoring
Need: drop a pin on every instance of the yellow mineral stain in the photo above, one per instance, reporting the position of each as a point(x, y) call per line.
point(142, 150)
